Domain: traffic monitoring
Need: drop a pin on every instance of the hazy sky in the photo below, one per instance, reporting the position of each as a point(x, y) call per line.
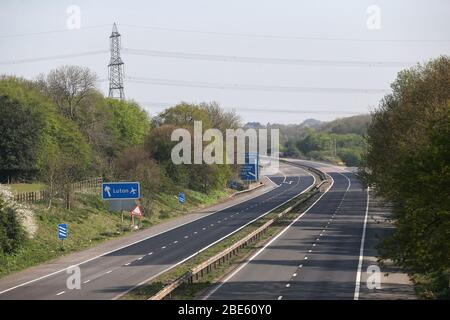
point(335, 34)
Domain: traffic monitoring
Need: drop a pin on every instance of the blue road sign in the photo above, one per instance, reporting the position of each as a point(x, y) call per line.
point(62, 231)
point(121, 190)
point(249, 170)
point(181, 197)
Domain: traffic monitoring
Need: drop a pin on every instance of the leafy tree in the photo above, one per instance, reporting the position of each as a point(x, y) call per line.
point(69, 86)
point(183, 115)
point(130, 120)
point(220, 119)
point(351, 157)
point(19, 142)
point(134, 163)
point(33, 129)
point(408, 163)
point(12, 234)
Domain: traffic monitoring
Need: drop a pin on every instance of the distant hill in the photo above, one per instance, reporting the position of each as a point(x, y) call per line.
point(355, 124)
point(311, 123)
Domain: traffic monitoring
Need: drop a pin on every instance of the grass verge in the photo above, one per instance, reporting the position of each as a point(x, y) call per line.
point(90, 223)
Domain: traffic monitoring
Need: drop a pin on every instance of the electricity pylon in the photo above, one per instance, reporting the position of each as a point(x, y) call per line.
point(115, 67)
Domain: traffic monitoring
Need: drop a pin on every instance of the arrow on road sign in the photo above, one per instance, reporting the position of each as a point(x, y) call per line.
point(108, 191)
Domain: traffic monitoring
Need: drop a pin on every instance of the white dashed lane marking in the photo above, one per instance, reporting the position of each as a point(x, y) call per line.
point(62, 292)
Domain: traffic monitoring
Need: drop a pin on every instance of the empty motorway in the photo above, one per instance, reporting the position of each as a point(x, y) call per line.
point(114, 273)
point(317, 257)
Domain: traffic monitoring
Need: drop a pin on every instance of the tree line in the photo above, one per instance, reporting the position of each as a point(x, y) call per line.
point(408, 164)
point(59, 129)
point(340, 141)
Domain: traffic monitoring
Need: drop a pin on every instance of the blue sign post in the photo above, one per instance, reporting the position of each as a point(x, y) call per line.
point(121, 191)
point(249, 170)
point(62, 231)
point(181, 197)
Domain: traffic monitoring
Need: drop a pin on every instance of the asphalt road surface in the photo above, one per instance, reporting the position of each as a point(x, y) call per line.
point(111, 275)
point(317, 257)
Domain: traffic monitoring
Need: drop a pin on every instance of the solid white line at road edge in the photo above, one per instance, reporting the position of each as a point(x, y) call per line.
point(266, 245)
point(361, 252)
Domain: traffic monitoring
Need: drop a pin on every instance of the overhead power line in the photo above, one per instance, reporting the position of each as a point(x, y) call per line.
point(27, 34)
point(252, 87)
point(243, 59)
point(278, 36)
point(219, 58)
point(56, 57)
point(297, 110)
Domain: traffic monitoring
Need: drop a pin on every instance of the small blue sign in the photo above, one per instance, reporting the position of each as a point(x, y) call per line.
point(62, 231)
point(249, 170)
point(121, 191)
point(181, 197)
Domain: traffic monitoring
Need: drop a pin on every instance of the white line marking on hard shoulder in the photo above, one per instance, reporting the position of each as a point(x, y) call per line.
point(300, 266)
point(62, 292)
point(280, 297)
point(361, 251)
point(86, 281)
point(127, 264)
point(111, 270)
